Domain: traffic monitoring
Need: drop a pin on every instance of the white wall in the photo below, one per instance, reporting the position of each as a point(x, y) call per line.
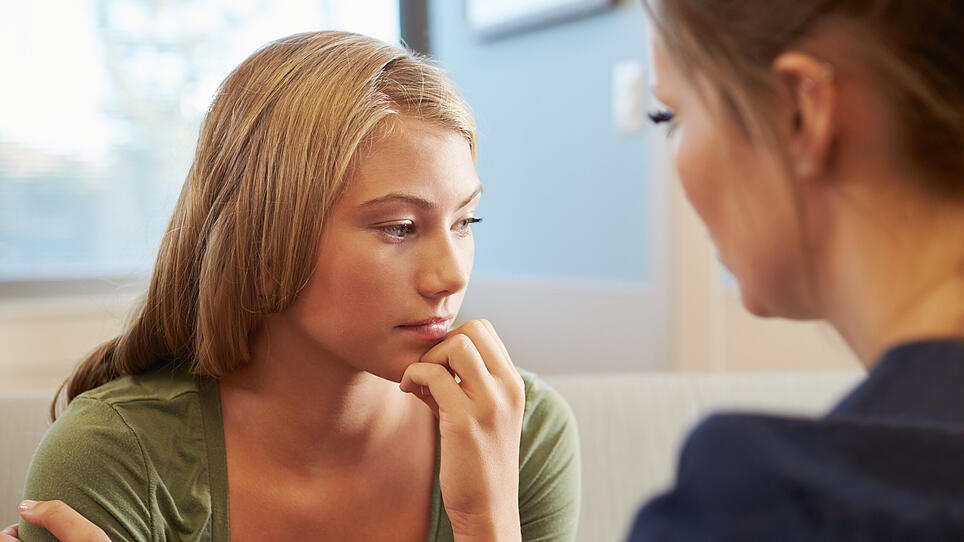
point(44, 338)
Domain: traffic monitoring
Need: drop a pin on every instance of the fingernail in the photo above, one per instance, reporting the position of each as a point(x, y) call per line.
point(27, 505)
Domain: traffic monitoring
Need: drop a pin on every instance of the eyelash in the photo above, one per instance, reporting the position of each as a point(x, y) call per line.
point(664, 116)
point(392, 229)
point(467, 223)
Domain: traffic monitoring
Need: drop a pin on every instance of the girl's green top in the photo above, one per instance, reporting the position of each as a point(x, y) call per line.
point(143, 457)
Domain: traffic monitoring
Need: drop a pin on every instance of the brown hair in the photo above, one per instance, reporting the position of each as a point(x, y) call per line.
point(913, 47)
point(274, 153)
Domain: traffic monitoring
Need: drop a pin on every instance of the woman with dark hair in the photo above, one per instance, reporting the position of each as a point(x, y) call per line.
point(822, 143)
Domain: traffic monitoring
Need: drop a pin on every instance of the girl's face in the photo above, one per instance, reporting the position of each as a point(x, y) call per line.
point(395, 254)
point(738, 190)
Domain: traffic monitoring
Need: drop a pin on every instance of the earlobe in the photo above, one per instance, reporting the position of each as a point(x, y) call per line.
point(810, 89)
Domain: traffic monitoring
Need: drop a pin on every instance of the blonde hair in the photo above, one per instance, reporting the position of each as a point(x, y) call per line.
point(912, 47)
point(275, 151)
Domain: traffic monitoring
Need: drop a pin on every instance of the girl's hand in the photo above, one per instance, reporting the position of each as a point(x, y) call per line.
point(480, 421)
point(10, 533)
point(61, 520)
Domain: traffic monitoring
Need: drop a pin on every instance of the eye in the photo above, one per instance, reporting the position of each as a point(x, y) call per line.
point(465, 226)
point(664, 116)
point(660, 116)
point(398, 231)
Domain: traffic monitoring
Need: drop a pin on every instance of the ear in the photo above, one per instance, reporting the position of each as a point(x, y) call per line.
point(812, 106)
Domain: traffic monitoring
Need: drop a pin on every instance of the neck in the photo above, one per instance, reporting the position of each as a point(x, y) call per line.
point(896, 276)
point(307, 409)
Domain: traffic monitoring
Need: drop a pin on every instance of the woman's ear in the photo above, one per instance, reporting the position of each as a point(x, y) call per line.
point(811, 98)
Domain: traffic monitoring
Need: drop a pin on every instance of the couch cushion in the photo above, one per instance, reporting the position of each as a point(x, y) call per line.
point(24, 418)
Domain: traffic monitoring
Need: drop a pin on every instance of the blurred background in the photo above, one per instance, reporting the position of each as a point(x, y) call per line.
point(589, 259)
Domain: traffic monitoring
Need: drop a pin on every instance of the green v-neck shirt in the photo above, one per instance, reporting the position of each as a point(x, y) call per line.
point(143, 457)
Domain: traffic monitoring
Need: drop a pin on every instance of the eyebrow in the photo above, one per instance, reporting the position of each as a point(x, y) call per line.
point(416, 200)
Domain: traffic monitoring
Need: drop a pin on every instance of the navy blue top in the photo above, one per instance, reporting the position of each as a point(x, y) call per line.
point(887, 463)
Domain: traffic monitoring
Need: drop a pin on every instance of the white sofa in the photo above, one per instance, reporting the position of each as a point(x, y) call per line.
point(630, 425)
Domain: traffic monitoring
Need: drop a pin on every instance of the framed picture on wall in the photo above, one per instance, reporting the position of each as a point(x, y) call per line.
point(491, 18)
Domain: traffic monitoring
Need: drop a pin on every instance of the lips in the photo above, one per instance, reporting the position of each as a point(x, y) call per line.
point(431, 329)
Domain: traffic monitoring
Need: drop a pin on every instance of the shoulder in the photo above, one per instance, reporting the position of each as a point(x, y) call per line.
point(156, 407)
point(159, 385)
point(91, 459)
point(548, 424)
point(87, 425)
point(545, 407)
point(115, 447)
point(121, 412)
point(737, 479)
point(102, 424)
point(756, 477)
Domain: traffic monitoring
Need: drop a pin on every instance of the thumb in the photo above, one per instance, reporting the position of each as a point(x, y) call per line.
point(62, 521)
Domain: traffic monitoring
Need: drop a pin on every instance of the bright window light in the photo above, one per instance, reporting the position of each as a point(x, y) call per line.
point(100, 107)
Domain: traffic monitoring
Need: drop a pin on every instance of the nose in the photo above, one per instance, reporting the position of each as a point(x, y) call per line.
point(445, 267)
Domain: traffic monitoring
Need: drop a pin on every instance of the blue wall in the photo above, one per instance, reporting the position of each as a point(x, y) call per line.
point(566, 195)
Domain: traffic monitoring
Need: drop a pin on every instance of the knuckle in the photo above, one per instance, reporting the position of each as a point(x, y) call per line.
point(435, 353)
point(476, 325)
point(437, 371)
point(462, 342)
point(55, 508)
point(516, 403)
point(517, 393)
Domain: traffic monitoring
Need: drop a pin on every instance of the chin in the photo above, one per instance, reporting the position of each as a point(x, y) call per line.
point(393, 369)
point(390, 371)
point(768, 308)
point(755, 307)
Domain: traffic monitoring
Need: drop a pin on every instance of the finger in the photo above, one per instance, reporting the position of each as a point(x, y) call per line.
point(486, 343)
point(498, 340)
point(424, 396)
point(499, 364)
point(460, 354)
point(62, 521)
point(440, 384)
point(506, 371)
point(10, 533)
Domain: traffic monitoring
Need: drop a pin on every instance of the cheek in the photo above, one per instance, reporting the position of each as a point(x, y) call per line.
point(701, 172)
point(347, 293)
point(469, 257)
point(361, 285)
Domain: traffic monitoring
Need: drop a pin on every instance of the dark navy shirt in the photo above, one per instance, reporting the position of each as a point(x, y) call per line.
point(887, 463)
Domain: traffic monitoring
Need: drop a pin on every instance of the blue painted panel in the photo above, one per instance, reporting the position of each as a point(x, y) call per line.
point(566, 195)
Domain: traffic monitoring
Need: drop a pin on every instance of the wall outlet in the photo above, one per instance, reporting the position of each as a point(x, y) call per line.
point(629, 97)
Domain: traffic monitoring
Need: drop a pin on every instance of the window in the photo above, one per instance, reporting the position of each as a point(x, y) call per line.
point(99, 115)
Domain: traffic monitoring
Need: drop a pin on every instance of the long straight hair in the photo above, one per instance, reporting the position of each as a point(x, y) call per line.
point(274, 153)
